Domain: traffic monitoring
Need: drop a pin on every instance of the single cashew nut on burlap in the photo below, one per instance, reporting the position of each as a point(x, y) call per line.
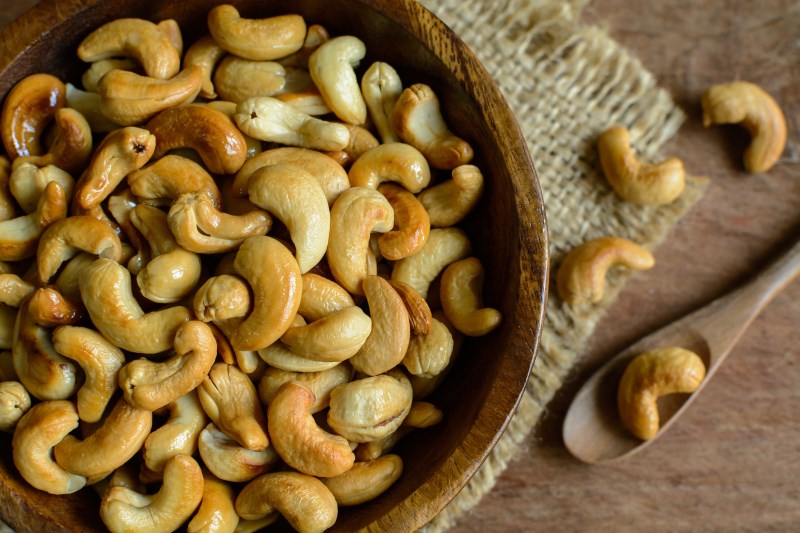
point(14, 403)
point(179, 435)
point(229, 460)
point(381, 87)
point(28, 109)
point(297, 438)
point(428, 355)
point(14, 289)
point(418, 121)
point(321, 383)
point(27, 182)
point(152, 385)
point(652, 374)
point(412, 221)
point(449, 202)
point(72, 146)
point(264, 78)
point(257, 39)
point(204, 54)
point(642, 184)
point(334, 337)
point(321, 297)
point(462, 299)
point(19, 236)
point(366, 480)
point(581, 276)
point(100, 361)
point(745, 103)
point(332, 68)
point(443, 247)
point(41, 428)
point(398, 162)
point(419, 312)
point(217, 511)
point(124, 510)
point(162, 182)
point(221, 298)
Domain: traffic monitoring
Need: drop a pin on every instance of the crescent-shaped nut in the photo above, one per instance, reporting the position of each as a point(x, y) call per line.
point(443, 247)
point(322, 297)
point(213, 135)
point(204, 54)
point(127, 98)
point(745, 103)
point(120, 153)
point(165, 180)
point(221, 298)
point(297, 438)
point(428, 355)
point(366, 480)
point(398, 162)
point(19, 236)
point(257, 39)
point(264, 78)
point(642, 184)
point(67, 280)
point(179, 435)
point(29, 107)
point(217, 511)
point(41, 428)
point(119, 438)
point(277, 355)
point(419, 312)
point(652, 374)
point(449, 202)
point(100, 361)
point(462, 301)
point(14, 403)
point(321, 383)
point(127, 511)
point(106, 291)
point(88, 104)
point(27, 182)
point(418, 121)
point(357, 213)
point(335, 337)
point(66, 238)
point(230, 400)
point(304, 501)
point(92, 76)
point(411, 219)
point(72, 146)
point(294, 197)
point(138, 39)
point(274, 278)
point(270, 119)
point(14, 289)
point(582, 274)
point(332, 68)
point(152, 385)
point(331, 176)
point(391, 329)
point(229, 460)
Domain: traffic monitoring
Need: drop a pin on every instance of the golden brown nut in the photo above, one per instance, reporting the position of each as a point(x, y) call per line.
point(231, 461)
point(366, 480)
point(216, 513)
point(205, 53)
point(321, 383)
point(221, 298)
point(257, 39)
point(398, 162)
point(97, 69)
point(162, 182)
point(19, 236)
point(264, 78)
point(14, 403)
point(29, 107)
point(72, 145)
point(332, 338)
point(419, 312)
point(178, 436)
point(322, 297)
point(49, 308)
point(14, 289)
point(449, 202)
point(462, 299)
point(27, 182)
point(429, 355)
point(411, 219)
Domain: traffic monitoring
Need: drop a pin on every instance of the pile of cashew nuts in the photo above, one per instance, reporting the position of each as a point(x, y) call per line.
point(581, 276)
point(158, 344)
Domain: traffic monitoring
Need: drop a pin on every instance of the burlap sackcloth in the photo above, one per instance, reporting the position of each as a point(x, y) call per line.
point(566, 83)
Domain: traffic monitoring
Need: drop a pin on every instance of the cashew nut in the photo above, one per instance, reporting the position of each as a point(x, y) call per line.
point(322, 297)
point(216, 513)
point(321, 383)
point(264, 78)
point(67, 280)
point(100, 361)
point(361, 141)
point(106, 291)
point(428, 355)
point(205, 53)
point(356, 214)
point(213, 135)
point(279, 356)
point(119, 438)
point(14, 289)
point(581, 276)
point(418, 121)
point(126, 511)
point(462, 300)
point(172, 30)
point(293, 196)
point(257, 39)
point(179, 435)
point(332, 68)
point(169, 177)
point(88, 104)
point(334, 337)
point(230, 400)
point(315, 36)
point(72, 146)
point(14, 403)
point(397, 162)
point(642, 184)
point(19, 236)
point(247, 360)
point(307, 101)
point(64, 239)
point(421, 415)
point(27, 183)
point(391, 329)
point(221, 298)
point(303, 500)
point(149, 385)
point(411, 219)
point(29, 107)
point(92, 76)
point(652, 374)
point(381, 87)
point(449, 202)
point(419, 313)
point(230, 461)
point(41, 428)
point(49, 308)
point(443, 247)
point(366, 480)
point(270, 119)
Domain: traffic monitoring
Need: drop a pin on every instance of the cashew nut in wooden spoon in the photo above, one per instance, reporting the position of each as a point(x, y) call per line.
point(592, 429)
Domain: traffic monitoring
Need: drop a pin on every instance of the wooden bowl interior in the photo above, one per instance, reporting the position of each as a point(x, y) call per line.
point(507, 230)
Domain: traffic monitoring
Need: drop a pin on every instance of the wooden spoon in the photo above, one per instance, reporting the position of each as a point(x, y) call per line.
point(593, 431)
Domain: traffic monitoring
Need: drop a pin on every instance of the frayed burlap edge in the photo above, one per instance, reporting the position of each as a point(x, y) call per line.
point(566, 83)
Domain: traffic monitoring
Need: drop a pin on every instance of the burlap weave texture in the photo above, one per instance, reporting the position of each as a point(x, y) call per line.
point(566, 83)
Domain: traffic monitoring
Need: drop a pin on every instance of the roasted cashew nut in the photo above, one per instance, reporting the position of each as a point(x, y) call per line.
point(297, 438)
point(398, 162)
point(229, 460)
point(303, 500)
point(217, 512)
point(332, 68)
point(443, 247)
point(652, 374)
point(66, 238)
point(92, 76)
point(381, 87)
point(428, 355)
point(179, 435)
point(642, 184)
point(333, 338)
point(278, 355)
point(419, 312)
point(49, 308)
point(264, 78)
point(162, 182)
point(321, 297)
point(88, 104)
point(321, 383)
point(29, 107)
point(205, 53)
point(14, 289)
point(361, 141)
point(257, 39)
point(581, 276)
point(14, 403)
point(294, 197)
point(19, 236)
point(72, 146)
point(423, 415)
point(449, 202)
point(106, 291)
point(462, 300)
point(357, 213)
point(67, 280)
point(366, 480)
point(152, 385)
point(41, 428)
point(745, 103)
point(305, 100)
point(100, 361)
point(127, 511)
point(221, 298)
point(412, 221)
point(27, 182)
point(418, 121)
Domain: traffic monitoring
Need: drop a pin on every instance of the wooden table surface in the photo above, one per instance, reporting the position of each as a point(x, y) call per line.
point(732, 463)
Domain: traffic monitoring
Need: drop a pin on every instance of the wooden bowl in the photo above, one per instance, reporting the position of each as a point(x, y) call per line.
point(508, 231)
